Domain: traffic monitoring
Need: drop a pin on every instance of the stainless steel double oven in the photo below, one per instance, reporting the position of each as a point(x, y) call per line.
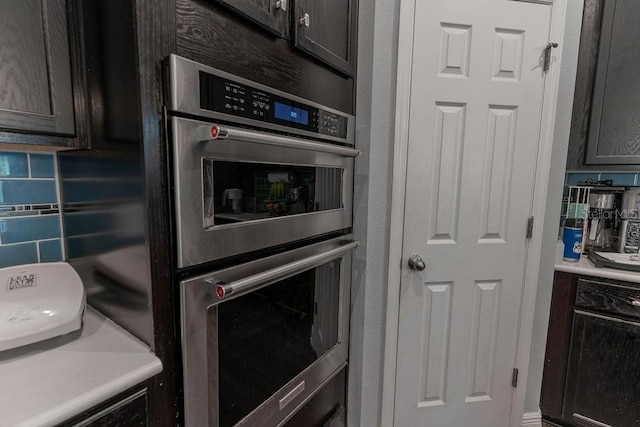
point(263, 177)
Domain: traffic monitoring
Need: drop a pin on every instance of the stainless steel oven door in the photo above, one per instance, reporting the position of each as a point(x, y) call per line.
point(239, 190)
point(259, 339)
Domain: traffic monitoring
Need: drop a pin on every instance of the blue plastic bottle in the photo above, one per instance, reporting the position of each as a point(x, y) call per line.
point(572, 239)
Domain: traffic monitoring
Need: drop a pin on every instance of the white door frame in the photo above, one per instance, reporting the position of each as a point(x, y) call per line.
point(398, 189)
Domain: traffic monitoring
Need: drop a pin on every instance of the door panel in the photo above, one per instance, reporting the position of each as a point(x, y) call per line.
point(262, 12)
point(476, 98)
point(328, 35)
point(436, 311)
point(603, 358)
point(35, 67)
point(613, 130)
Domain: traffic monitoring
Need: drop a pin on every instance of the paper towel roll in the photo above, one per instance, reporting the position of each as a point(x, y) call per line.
point(288, 177)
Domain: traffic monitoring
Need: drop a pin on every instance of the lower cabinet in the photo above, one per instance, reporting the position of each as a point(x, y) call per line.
point(603, 375)
point(128, 409)
point(592, 363)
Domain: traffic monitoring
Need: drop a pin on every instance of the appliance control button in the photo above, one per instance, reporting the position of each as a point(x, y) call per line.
point(220, 291)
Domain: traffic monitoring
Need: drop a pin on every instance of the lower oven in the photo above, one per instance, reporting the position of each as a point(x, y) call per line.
point(259, 339)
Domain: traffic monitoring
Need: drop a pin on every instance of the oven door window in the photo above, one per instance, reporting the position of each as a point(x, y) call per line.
point(235, 192)
point(269, 336)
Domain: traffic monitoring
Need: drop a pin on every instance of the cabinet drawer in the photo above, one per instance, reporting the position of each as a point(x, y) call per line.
point(609, 297)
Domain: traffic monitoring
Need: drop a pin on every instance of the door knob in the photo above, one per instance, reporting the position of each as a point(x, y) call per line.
point(416, 263)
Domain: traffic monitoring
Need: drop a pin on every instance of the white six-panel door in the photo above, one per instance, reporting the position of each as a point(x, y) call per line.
point(476, 100)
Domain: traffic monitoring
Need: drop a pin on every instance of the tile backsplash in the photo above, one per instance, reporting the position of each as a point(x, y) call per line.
point(621, 179)
point(29, 209)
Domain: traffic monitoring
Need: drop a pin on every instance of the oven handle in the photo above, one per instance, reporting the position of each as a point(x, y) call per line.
point(257, 280)
point(214, 132)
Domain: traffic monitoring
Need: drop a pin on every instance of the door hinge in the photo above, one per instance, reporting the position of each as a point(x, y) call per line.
point(530, 228)
point(514, 378)
point(547, 56)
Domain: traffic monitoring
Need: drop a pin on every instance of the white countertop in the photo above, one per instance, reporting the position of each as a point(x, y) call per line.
point(46, 383)
point(586, 267)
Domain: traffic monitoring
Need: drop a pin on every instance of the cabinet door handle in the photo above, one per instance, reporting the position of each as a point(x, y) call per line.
point(634, 302)
point(305, 21)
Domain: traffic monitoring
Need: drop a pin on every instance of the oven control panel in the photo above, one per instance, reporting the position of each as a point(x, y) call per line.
point(631, 236)
point(227, 96)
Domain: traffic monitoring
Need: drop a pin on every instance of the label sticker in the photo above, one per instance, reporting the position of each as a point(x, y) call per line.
point(21, 281)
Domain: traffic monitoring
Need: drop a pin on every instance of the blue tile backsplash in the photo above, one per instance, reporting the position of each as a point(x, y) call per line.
point(29, 209)
point(102, 197)
point(42, 166)
point(620, 179)
point(14, 165)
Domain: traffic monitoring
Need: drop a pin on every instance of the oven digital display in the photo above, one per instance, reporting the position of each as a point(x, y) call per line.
point(241, 100)
point(291, 114)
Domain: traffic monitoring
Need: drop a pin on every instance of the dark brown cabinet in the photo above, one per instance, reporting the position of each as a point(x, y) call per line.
point(36, 93)
point(614, 130)
point(591, 372)
point(123, 44)
point(128, 409)
point(605, 129)
point(602, 375)
point(269, 14)
point(325, 30)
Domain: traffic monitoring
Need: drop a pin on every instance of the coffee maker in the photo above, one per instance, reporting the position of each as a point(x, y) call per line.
point(630, 230)
point(602, 221)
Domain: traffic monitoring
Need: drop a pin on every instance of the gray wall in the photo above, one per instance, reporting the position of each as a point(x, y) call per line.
point(375, 110)
point(554, 202)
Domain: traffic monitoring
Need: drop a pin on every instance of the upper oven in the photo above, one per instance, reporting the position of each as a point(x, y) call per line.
point(257, 168)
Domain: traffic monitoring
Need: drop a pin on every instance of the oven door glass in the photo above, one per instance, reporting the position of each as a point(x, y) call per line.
point(260, 338)
point(253, 190)
point(269, 336)
point(237, 191)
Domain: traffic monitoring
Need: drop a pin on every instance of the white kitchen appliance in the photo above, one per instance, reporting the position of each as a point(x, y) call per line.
point(38, 302)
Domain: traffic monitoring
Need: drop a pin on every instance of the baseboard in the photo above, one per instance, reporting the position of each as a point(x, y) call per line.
point(532, 419)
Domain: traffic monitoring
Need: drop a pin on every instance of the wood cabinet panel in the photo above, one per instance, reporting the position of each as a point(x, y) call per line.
point(602, 376)
point(609, 298)
point(587, 58)
point(35, 68)
point(23, 61)
point(558, 340)
point(128, 409)
point(614, 134)
point(212, 36)
point(326, 31)
point(591, 366)
point(265, 13)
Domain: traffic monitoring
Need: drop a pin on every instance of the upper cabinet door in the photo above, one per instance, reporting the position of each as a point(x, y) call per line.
point(269, 14)
point(326, 30)
point(35, 69)
point(614, 131)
